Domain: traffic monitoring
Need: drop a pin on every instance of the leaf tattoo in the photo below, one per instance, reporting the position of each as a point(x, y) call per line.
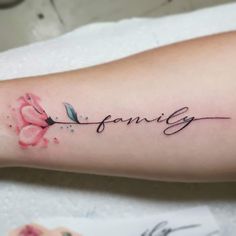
point(71, 113)
point(37, 121)
point(66, 234)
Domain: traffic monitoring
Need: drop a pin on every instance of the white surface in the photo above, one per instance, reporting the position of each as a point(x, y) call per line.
point(198, 222)
point(29, 194)
point(37, 20)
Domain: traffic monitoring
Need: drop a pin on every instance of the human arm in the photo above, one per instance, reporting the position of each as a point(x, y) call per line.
point(191, 83)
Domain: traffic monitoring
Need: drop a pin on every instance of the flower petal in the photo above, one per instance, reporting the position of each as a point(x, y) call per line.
point(33, 100)
point(31, 135)
point(32, 116)
point(29, 230)
point(16, 112)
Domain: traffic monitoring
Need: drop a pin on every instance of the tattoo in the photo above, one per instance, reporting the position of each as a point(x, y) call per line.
point(29, 230)
point(66, 234)
point(37, 230)
point(32, 122)
point(162, 229)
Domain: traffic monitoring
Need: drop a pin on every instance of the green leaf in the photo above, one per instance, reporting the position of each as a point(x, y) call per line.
point(71, 113)
point(66, 234)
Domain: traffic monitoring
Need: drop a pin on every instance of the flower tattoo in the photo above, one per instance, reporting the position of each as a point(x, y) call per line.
point(38, 230)
point(29, 230)
point(32, 122)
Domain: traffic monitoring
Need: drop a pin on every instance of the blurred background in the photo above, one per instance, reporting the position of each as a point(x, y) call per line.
point(26, 21)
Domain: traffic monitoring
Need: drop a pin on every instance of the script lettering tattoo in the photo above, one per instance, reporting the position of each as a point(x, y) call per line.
point(164, 229)
point(32, 121)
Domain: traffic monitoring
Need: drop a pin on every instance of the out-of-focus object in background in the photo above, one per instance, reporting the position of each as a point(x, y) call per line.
point(9, 3)
point(37, 230)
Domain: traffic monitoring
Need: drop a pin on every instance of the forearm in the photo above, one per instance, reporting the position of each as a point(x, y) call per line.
point(183, 94)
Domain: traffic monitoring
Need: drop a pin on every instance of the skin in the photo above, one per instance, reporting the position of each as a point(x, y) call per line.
point(199, 74)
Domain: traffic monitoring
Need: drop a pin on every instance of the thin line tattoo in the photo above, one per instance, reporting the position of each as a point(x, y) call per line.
point(32, 122)
point(162, 229)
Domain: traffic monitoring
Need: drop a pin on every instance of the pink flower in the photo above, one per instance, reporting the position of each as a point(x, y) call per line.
point(31, 120)
point(30, 231)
